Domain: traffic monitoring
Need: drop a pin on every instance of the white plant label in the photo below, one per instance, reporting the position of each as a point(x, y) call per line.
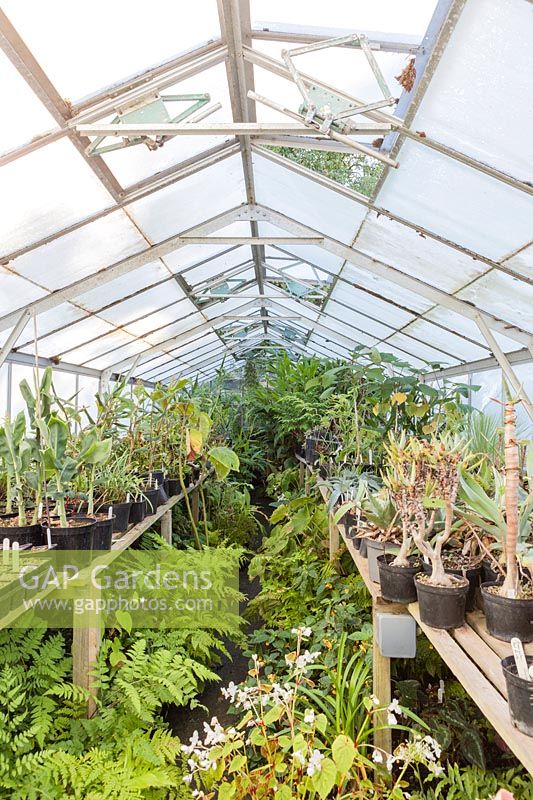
point(520, 658)
point(49, 538)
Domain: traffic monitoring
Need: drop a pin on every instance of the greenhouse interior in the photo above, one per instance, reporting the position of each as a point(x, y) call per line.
point(266, 400)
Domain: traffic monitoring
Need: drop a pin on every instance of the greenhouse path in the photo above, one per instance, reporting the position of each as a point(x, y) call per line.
point(184, 721)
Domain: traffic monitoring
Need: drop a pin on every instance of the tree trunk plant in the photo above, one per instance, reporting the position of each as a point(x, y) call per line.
point(512, 482)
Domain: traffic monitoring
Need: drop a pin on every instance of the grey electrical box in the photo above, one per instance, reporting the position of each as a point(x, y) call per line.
point(396, 635)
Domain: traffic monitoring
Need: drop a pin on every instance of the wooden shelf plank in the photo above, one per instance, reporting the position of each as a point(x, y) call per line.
point(486, 697)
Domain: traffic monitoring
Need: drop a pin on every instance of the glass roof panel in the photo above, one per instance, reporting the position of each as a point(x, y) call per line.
point(142, 305)
point(467, 327)
point(436, 337)
point(192, 200)
point(82, 252)
point(102, 347)
point(304, 200)
point(210, 270)
point(120, 289)
point(155, 321)
point(386, 289)
point(492, 62)
point(505, 297)
point(16, 292)
point(47, 190)
point(424, 258)
point(440, 194)
point(421, 350)
point(119, 39)
point(386, 15)
point(368, 304)
point(31, 117)
point(86, 330)
point(114, 356)
point(522, 262)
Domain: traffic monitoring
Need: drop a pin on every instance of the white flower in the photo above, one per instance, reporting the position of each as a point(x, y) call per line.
point(309, 717)
point(302, 632)
point(395, 707)
point(230, 691)
point(374, 699)
point(390, 762)
point(436, 769)
point(377, 757)
point(315, 762)
point(303, 660)
point(391, 719)
point(299, 756)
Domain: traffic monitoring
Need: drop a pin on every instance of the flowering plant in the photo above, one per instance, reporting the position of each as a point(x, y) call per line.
point(283, 748)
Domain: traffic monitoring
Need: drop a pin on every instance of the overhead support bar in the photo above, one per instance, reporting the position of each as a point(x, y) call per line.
point(505, 364)
point(252, 240)
point(14, 335)
point(216, 128)
point(299, 34)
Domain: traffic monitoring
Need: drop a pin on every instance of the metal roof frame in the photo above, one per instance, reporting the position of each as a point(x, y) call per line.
point(235, 49)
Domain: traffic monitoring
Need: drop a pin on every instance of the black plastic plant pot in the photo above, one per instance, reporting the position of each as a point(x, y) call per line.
point(163, 494)
point(137, 512)
point(442, 607)
point(520, 695)
point(507, 617)
point(398, 583)
point(376, 548)
point(121, 512)
point(173, 487)
point(489, 574)
point(152, 500)
point(78, 536)
point(473, 575)
point(363, 546)
point(23, 534)
point(103, 533)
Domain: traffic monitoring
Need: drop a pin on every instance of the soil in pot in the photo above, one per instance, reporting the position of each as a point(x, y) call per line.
point(121, 512)
point(152, 500)
point(507, 617)
point(442, 607)
point(173, 487)
point(398, 583)
point(137, 511)
point(520, 694)
point(456, 564)
point(23, 534)
point(77, 536)
point(376, 548)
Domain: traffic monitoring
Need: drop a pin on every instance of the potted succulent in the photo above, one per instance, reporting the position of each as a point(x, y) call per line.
point(509, 605)
point(397, 571)
point(434, 486)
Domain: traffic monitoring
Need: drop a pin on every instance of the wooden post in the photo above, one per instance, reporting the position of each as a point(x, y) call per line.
point(166, 526)
point(195, 504)
point(303, 470)
point(381, 686)
point(85, 648)
point(333, 539)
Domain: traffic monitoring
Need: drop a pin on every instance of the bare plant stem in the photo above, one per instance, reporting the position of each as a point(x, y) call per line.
point(512, 477)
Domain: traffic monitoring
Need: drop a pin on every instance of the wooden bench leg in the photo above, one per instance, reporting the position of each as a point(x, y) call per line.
point(85, 649)
point(166, 526)
point(195, 505)
point(381, 684)
point(333, 539)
